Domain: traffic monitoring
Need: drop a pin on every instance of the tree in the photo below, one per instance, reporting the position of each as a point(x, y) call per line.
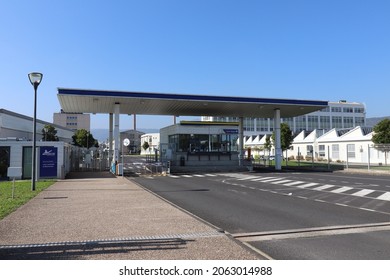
point(286, 136)
point(83, 138)
point(381, 137)
point(49, 133)
point(268, 144)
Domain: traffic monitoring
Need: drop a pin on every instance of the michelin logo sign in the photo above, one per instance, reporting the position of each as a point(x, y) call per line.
point(48, 162)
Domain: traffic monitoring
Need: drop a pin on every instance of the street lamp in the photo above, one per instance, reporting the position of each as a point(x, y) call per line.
point(35, 79)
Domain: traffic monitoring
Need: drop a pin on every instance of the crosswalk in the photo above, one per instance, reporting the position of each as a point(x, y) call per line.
point(356, 191)
point(350, 190)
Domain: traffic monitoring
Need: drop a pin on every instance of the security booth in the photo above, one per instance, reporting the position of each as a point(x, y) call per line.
point(53, 158)
point(200, 144)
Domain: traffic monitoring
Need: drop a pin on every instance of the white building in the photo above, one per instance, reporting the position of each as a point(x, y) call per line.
point(352, 146)
point(153, 139)
point(17, 126)
point(16, 147)
point(337, 115)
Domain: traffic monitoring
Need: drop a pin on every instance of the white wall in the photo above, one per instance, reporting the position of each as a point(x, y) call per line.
point(16, 154)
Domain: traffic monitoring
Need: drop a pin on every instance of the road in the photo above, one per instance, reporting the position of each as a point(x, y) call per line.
point(289, 215)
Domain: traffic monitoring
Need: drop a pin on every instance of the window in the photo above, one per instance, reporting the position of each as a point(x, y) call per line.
point(312, 122)
point(359, 121)
point(300, 123)
point(309, 150)
point(336, 109)
point(335, 151)
point(348, 110)
point(321, 150)
point(249, 124)
point(348, 122)
point(337, 122)
point(324, 122)
point(359, 110)
point(326, 109)
point(351, 150)
point(262, 124)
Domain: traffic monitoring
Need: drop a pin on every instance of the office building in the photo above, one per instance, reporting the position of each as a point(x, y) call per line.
point(74, 121)
point(339, 115)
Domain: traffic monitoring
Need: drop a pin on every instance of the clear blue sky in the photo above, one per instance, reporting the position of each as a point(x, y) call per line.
point(299, 49)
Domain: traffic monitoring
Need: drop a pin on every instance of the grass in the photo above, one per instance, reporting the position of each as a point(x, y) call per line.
point(22, 194)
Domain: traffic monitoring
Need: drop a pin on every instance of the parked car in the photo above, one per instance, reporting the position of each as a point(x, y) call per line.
point(272, 157)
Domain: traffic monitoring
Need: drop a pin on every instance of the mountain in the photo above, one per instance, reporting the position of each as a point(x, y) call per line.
point(101, 134)
point(371, 122)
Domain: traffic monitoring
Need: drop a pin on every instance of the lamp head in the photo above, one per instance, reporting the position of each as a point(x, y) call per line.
point(35, 79)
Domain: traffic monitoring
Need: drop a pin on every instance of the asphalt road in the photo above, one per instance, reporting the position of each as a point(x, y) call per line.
point(289, 215)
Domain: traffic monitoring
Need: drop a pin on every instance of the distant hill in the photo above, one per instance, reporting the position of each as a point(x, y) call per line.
point(371, 122)
point(101, 134)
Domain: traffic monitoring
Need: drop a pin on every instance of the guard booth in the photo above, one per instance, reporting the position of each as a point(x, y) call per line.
point(200, 145)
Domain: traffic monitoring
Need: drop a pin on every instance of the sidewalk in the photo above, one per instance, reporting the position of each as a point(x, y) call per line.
point(98, 216)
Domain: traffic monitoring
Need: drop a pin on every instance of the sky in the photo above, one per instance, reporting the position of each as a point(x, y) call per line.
point(295, 49)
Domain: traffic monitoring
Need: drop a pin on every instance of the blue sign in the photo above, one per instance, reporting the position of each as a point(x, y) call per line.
point(230, 131)
point(48, 162)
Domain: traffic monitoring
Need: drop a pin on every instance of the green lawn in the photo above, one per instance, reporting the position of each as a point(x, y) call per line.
point(22, 194)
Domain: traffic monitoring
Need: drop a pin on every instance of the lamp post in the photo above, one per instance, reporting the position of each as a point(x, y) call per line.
point(35, 79)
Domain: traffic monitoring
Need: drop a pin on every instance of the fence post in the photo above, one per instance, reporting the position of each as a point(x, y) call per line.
point(299, 157)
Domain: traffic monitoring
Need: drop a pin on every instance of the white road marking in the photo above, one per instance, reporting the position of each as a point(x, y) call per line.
point(293, 183)
point(270, 180)
point(248, 178)
point(324, 187)
point(281, 182)
point(385, 196)
point(342, 189)
point(307, 185)
point(362, 192)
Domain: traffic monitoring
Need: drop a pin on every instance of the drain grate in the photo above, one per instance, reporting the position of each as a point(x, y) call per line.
point(164, 237)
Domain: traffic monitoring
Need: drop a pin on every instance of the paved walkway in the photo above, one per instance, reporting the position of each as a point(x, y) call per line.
point(99, 216)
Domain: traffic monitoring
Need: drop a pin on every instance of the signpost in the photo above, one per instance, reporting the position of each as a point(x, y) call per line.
point(126, 142)
point(14, 172)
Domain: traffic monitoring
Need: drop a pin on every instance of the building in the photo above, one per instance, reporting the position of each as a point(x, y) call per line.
point(74, 121)
point(135, 141)
point(19, 127)
point(153, 140)
point(200, 144)
point(348, 146)
point(339, 115)
point(54, 158)
point(338, 145)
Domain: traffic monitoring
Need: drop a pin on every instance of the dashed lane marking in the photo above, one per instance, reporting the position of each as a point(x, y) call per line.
point(385, 196)
point(363, 192)
point(307, 185)
point(341, 190)
point(293, 183)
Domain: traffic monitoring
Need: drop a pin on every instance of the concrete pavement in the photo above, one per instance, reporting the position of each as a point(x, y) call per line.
point(100, 216)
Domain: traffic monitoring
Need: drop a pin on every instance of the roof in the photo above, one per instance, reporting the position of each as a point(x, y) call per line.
point(146, 103)
point(24, 117)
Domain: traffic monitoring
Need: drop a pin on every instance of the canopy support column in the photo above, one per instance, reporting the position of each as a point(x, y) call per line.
point(116, 133)
point(278, 146)
point(110, 137)
point(241, 141)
